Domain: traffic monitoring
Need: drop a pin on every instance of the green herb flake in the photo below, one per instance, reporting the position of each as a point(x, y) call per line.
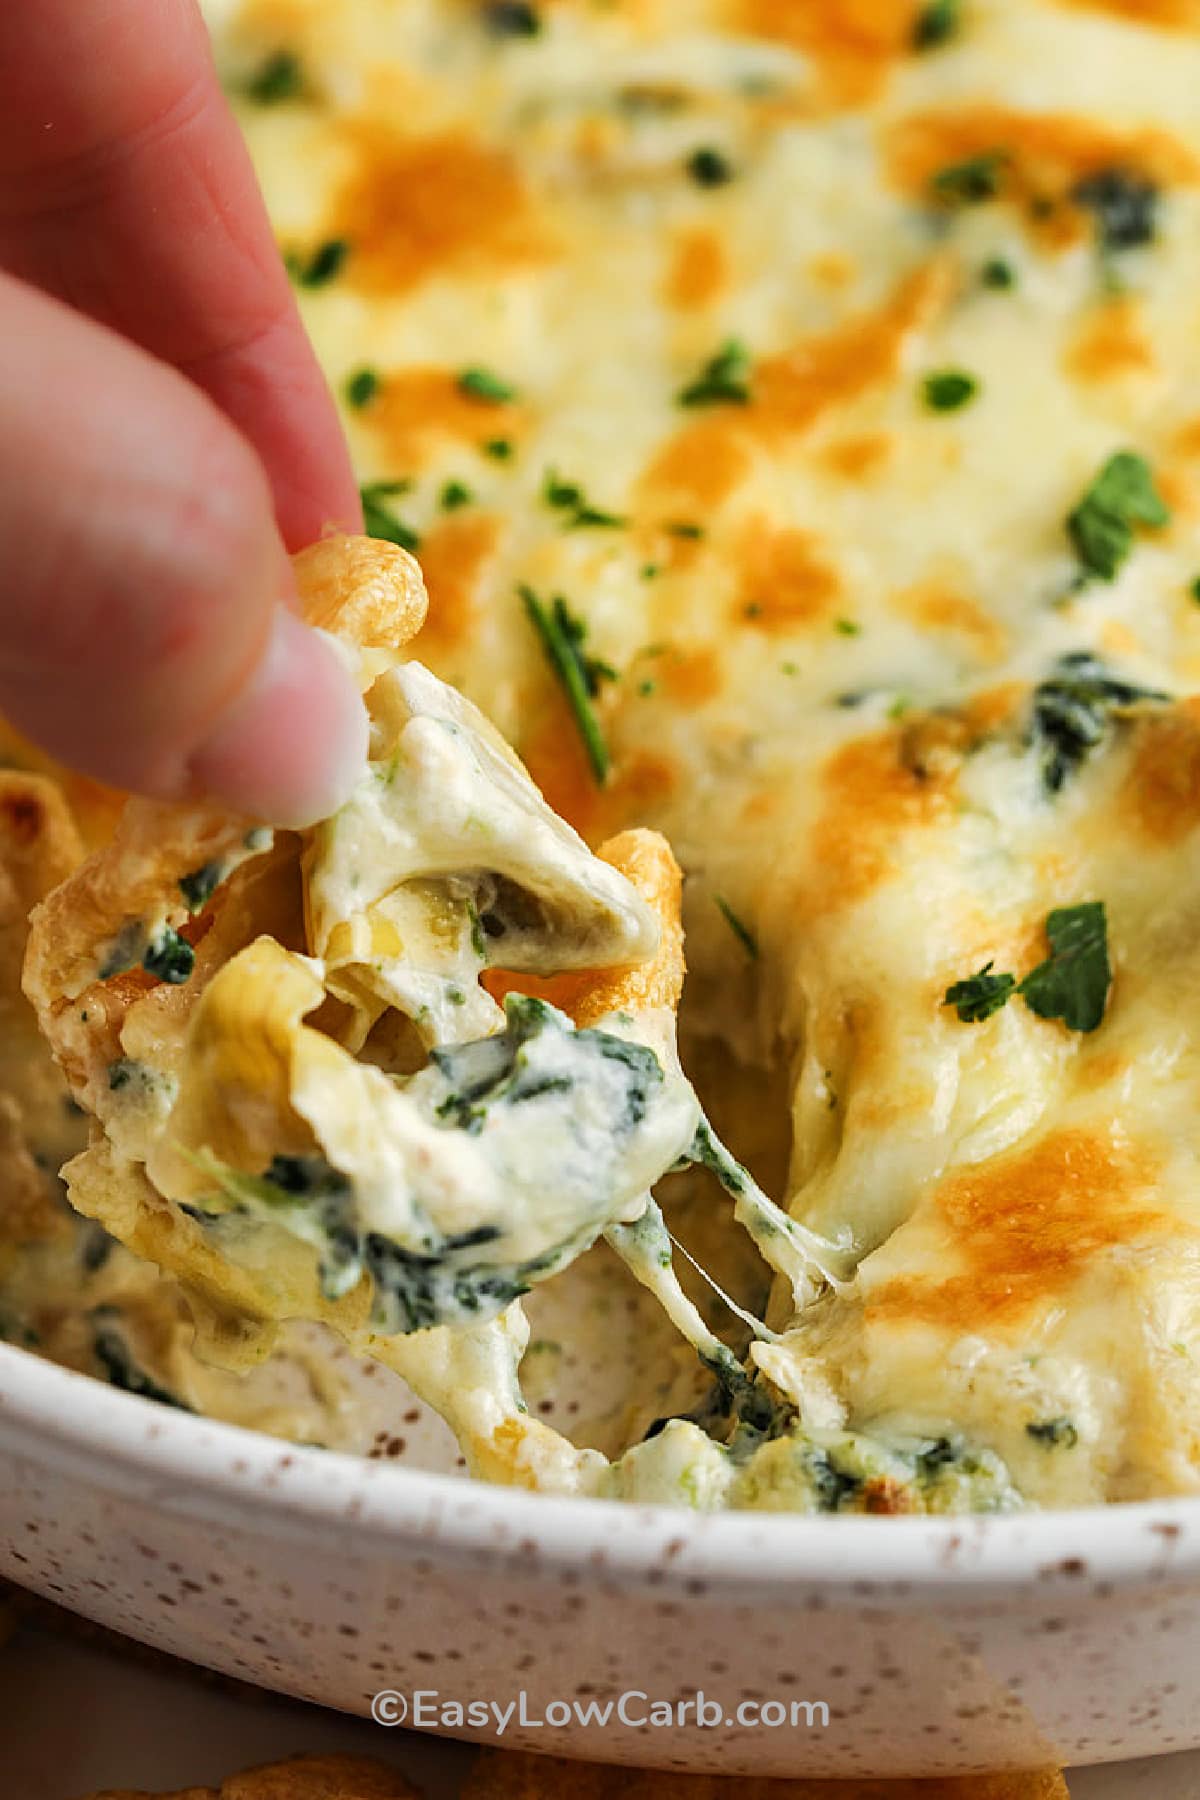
point(946, 390)
point(1194, 589)
point(453, 495)
point(998, 274)
point(563, 637)
point(481, 384)
point(740, 930)
point(1101, 526)
point(169, 958)
point(280, 78)
point(568, 497)
point(971, 182)
point(324, 264)
point(499, 449)
point(1072, 984)
point(685, 529)
point(979, 996)
point(723, 381)
point(361, 388)
point(1074, 981)
point(380, 521)
point(847, 627)
point(936, 24)
point(709, 169)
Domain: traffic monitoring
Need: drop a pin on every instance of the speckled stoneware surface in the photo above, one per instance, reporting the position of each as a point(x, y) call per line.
point(935, 1644)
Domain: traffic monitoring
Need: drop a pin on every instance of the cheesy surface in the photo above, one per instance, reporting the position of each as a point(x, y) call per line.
point(791, 343)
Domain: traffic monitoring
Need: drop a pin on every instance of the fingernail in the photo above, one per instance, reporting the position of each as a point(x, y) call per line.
point(294, 742)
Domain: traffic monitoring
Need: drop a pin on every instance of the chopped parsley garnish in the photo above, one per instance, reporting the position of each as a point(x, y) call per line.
point(936, 24)
point(1073, 710)
point(569, 498)
point(362, 387)
point(281, 77)
point(708, 168)
point(847, 627)
point(1058, 1433)
point(1072, 984)
point(1125, 207)
point(453, 495)
point(499, 449)
point(511, 19)
point(379, 521)
point(481, 384)
point(1101, 526)
point(997, 273)
point(723, 381)
point(740, 930)
point(323, 266)
point(971, 182)
point(948, 389)
point(169, 958)
point(563, 637)
point(199, 887)
point(684, 528)
point(977, 997)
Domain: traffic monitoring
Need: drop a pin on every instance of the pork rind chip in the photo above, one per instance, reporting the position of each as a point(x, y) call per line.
point(498, 1775)
point(39, 846)
point(239, 1011)
point(304, 1778)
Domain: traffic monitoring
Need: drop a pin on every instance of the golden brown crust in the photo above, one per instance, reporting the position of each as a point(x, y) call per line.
point(302, 1778)
point(499, 1775)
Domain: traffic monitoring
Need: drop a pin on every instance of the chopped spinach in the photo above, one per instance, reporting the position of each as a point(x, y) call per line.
point(1124, 204)
point(169, 958)
point(199, 887)
point(1073, 712)
point(1055, 1434)
point(511, 19)
point(119, 1366)
point(1101, 525)
point(971, 182)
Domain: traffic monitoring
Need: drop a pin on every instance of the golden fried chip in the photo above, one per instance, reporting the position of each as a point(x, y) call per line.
point(303, 1778)
point(500, 1775)
point(39, 847)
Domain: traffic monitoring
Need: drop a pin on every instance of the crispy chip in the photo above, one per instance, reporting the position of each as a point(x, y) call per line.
point(304, 1778)
point(499, 1775)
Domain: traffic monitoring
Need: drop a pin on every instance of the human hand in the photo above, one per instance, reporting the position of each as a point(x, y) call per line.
point(166, 435)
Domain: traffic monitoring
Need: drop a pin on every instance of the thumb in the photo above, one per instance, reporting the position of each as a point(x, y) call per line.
point(146, 630)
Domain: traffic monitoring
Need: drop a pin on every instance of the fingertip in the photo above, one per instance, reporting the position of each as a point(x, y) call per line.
point(291, 746)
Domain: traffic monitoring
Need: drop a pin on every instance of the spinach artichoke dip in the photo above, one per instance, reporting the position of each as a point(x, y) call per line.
point(779, 430)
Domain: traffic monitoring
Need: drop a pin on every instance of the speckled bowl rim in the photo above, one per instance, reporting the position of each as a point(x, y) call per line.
point(195, 1467)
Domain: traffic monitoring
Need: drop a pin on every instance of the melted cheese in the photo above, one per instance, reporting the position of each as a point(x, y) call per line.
point(830, 608)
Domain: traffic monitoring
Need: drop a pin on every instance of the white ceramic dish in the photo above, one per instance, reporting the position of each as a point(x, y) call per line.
point(937, 1645)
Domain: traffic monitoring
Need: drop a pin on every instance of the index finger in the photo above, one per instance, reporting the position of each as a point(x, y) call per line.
point(126, 190)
